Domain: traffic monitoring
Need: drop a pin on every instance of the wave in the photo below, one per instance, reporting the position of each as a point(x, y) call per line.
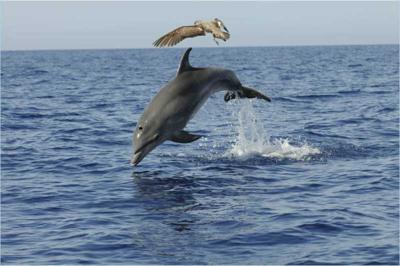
point(316, 96)
point(355, 65)
point(252, 139)
point(354, 91)
point(277, 149)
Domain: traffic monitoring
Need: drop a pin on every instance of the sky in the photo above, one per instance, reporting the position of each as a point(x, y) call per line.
point(97, 25)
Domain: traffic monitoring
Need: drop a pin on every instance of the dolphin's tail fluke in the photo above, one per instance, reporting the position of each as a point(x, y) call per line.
point(251, 93)
point(245, 92)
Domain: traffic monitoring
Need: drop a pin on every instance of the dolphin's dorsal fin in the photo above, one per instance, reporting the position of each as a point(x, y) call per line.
point(185, 65)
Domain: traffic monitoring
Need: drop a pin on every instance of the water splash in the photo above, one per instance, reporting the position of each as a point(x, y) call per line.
point(253, 139)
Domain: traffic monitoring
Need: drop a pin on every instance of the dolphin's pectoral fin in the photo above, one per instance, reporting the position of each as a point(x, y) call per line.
point(184, 137)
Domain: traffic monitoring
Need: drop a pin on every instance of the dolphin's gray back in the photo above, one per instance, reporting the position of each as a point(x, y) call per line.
point(182, 97)
point(209, 80)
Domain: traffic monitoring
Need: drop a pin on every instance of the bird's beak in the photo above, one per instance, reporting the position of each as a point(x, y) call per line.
point(225, 28)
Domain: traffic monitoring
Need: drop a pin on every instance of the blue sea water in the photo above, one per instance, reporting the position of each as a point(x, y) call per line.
point(310, 178)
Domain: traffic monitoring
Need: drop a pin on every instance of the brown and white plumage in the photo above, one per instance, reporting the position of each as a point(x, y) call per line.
point(200, 28)
point(177, 35)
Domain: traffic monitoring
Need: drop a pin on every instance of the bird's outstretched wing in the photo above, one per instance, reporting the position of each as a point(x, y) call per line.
point(177, 35)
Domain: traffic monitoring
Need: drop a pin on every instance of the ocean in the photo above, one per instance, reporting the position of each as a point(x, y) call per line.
point(309, 178)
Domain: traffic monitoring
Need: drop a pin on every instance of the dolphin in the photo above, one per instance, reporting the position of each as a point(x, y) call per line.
point(177, 102)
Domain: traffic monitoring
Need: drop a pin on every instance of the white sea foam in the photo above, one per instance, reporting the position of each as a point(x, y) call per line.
point(253, 139)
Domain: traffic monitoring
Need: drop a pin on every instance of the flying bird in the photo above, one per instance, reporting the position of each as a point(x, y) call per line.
point(200, 28)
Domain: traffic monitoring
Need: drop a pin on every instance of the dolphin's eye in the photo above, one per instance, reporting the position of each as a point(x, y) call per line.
point(140, 128)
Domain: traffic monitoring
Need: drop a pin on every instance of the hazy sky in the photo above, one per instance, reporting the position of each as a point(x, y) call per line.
point(74, 25)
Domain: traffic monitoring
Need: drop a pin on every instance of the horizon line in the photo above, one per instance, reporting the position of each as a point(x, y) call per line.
point(202, 47)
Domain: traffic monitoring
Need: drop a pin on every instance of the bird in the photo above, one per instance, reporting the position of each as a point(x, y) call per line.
point(199, 28)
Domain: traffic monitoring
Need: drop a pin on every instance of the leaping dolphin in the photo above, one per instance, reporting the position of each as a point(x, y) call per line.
point(175, 104)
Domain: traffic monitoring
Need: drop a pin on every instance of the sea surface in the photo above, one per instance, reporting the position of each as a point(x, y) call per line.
point(310, 178)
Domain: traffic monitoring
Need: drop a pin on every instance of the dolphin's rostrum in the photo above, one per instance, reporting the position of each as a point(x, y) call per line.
point(175, 104)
